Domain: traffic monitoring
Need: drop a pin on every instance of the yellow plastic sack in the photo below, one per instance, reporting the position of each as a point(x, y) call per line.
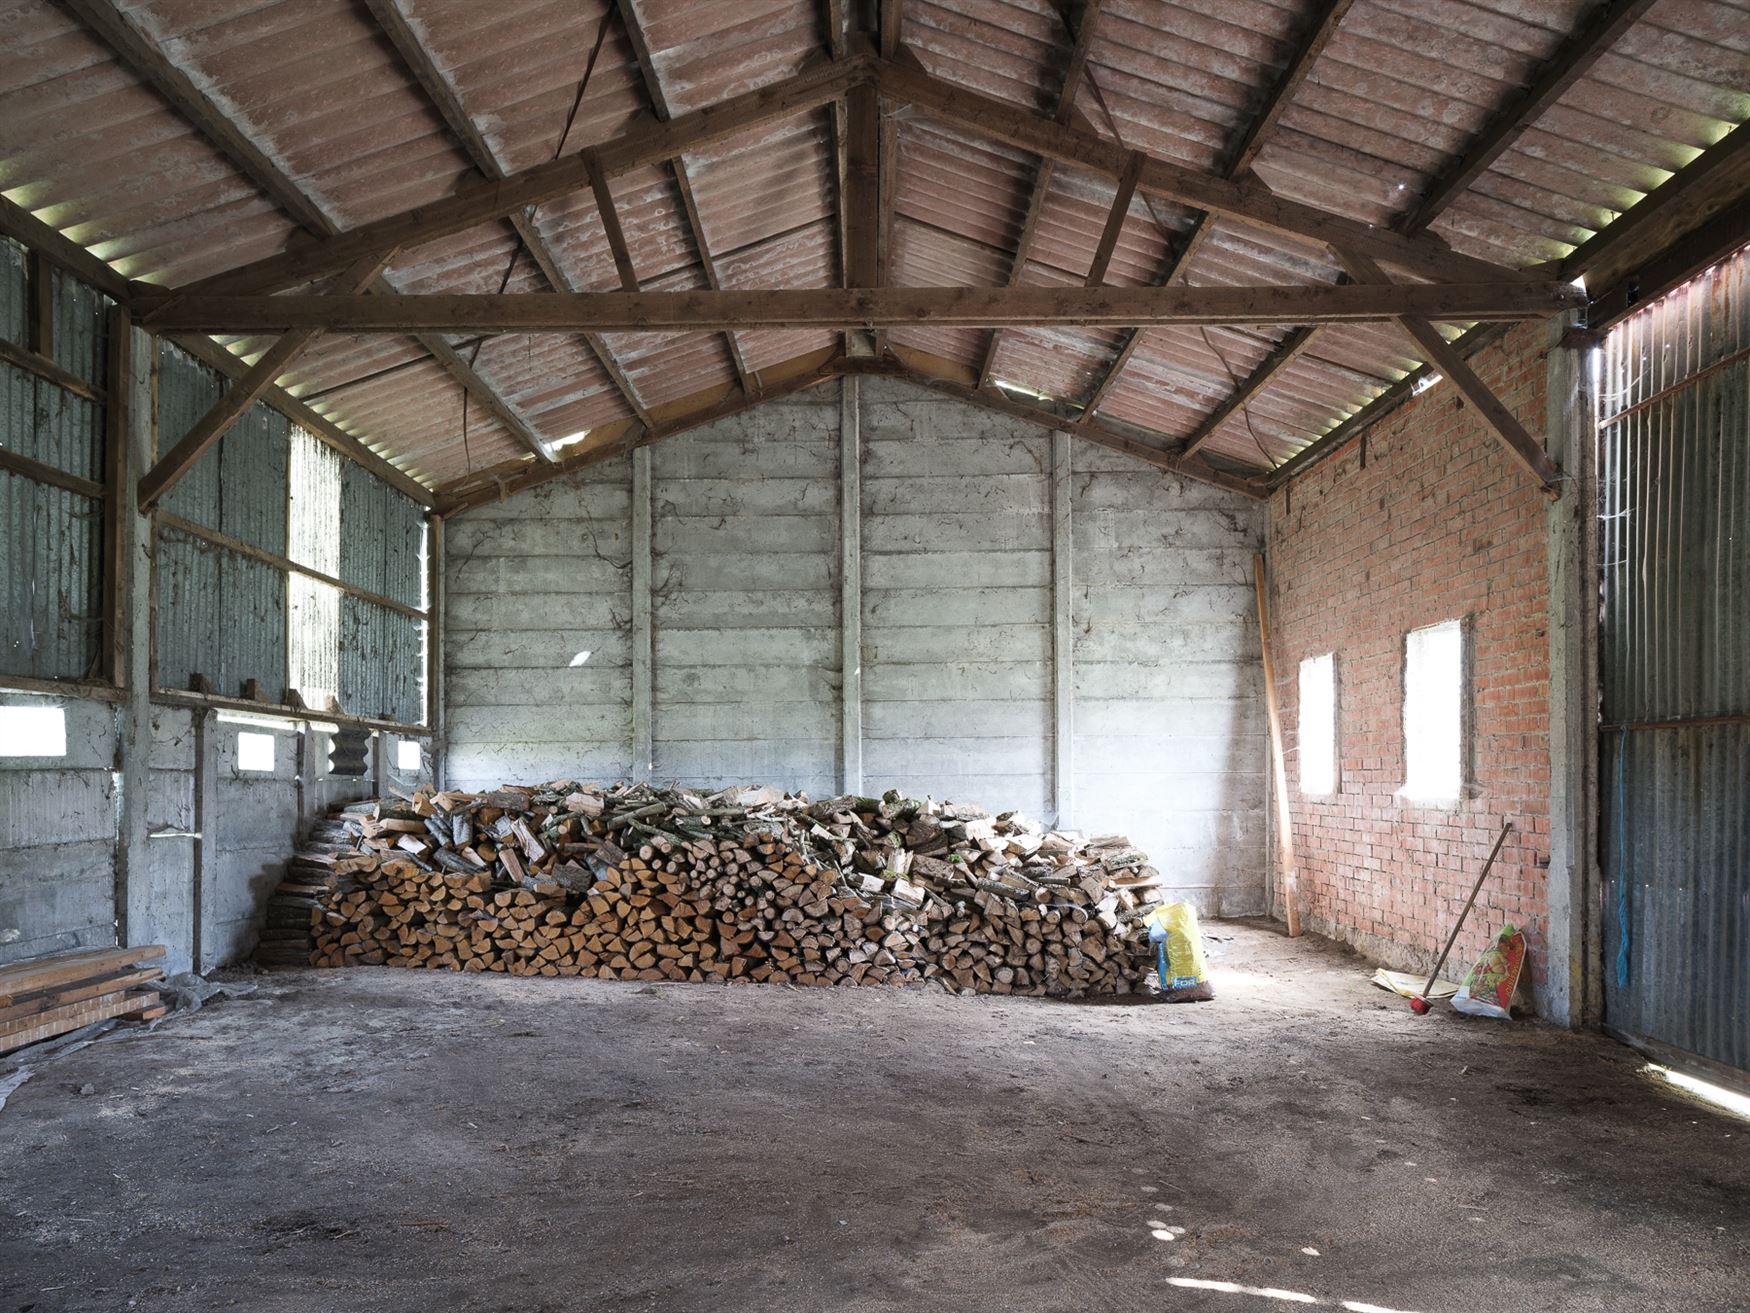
point(1184, 944)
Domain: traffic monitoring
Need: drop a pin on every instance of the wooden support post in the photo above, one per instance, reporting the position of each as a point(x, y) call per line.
point(1062, 630)
point(643, 738)
point(851, 584)
point(1278, 769)
point(39, 328)
point(132, 399)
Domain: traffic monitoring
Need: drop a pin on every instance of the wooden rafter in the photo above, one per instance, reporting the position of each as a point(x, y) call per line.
point(418, 62)
point(476, 203)
point(1392, 397)
point(243, 393)
point(659, 105)
point(1606, 23)
point(221, 361)
point(891, 18)
point(1316, 35)
point(1074, 71)
point(146, 62)
point(1290, 350)
point(833, 308)
point(1714, 182)
point(1114, 223)
point(1438, 352)
point(1245, 200)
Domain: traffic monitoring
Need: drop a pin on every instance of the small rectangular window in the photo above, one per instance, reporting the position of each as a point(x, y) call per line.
point(1318, 726)
point(1434, 713)
point(33, 732)
point(254, 751)
point(407, 756)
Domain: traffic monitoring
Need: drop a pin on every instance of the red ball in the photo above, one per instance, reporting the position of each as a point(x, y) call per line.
point(1419, 1006)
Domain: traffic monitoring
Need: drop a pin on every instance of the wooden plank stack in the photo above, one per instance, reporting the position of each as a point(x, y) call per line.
point(49, 996)
point(641, 883)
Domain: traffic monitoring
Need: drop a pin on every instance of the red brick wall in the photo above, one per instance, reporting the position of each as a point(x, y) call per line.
point(1440, 524)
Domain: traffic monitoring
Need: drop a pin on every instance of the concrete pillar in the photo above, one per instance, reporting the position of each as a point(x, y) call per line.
point(206, 826)
point(435, 675)
point(1062, 631)
point(643, 749)
point(1572, 982)
point(851, 584)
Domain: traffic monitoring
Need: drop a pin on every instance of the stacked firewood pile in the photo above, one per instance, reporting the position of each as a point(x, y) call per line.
point(642, 883)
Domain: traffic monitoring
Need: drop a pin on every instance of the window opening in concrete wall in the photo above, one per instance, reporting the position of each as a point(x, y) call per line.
point(1318, 726)
point(254, 751)
point(407, 755)
point(1434, 713)
point(33, 732)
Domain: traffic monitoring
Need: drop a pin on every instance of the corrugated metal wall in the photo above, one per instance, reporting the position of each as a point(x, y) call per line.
point(1674, 451)
point(51, 623)
point(230, 617)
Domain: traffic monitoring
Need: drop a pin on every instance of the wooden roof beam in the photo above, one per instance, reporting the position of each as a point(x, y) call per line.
point(476, 203)
point(659, 106)
point(1278, 360)
point(1602, 28)
point(1074, 71)
point(1246, 201)
point(1314, 38)
point(1438, 352)
point(418, 61)
point(680, 312)
point(243, 393)
point(150, 65)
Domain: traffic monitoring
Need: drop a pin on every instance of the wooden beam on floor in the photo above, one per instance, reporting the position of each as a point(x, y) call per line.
point(704, 311)
point(1438, 352)
point(243, 393)
point(1602, 28)
point(476, 203)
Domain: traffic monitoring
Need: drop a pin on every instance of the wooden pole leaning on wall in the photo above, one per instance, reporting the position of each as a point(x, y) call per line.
point(1278, 769)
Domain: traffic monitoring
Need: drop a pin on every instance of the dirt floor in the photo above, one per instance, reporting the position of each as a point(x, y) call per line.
point(378, 1139)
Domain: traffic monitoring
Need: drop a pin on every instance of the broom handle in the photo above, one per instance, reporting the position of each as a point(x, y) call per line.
point(1476, 889)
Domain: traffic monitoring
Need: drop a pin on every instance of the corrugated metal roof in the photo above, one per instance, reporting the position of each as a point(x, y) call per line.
point(1398, 94)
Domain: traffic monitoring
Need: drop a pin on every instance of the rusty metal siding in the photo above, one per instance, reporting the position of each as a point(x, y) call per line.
point(51, 613)
point(41, 420)
point(382, 662)
point(1674, 451)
